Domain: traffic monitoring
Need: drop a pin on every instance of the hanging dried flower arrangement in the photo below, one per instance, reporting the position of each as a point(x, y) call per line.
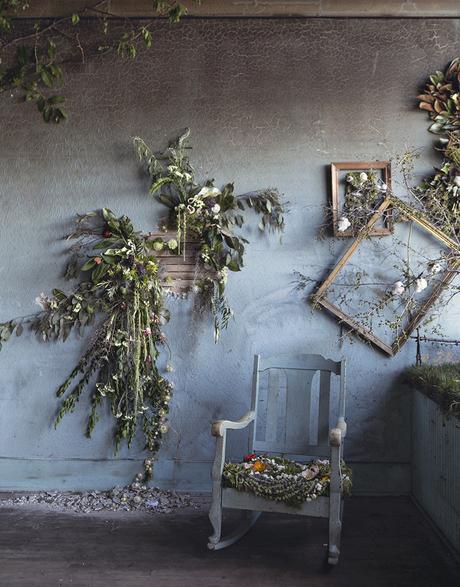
point(211, 216)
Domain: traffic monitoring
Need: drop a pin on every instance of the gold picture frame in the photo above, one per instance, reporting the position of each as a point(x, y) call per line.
point(319, 297)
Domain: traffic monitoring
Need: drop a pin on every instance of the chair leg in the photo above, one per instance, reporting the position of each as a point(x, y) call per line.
point(250, 518)
point(335, 530)
point(215, 517)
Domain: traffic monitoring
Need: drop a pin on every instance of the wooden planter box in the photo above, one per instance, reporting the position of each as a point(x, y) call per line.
point(436, 466)
point(179, 270)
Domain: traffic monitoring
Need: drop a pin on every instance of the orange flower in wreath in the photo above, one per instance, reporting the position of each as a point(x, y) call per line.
point(259, 466)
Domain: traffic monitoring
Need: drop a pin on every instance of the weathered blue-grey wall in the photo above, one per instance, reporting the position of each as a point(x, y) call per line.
point(270, 103)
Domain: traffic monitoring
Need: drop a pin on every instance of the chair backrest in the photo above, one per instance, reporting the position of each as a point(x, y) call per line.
point(292, 400)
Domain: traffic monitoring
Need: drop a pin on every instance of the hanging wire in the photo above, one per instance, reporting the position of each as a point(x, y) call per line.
point(420, 339)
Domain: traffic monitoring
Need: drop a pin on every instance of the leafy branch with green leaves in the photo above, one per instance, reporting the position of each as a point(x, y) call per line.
point(33, 62)
point(120, 284)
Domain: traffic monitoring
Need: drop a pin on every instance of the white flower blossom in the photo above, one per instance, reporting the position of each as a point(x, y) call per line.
point(215, 209)
point(43, 301)
point(420, 284)
point(398, 288)
point(349, 178)
point(194, 204)
point(223, 275)
point(309, 473)
point(436, 267)
point(343, 224)
point(208, 192)
point(363, 177)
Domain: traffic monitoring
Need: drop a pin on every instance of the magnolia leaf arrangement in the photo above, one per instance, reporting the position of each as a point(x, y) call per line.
point(208, 214)
point(441, 99)
point(439, 194)
point(120, 294)
point(34, 58)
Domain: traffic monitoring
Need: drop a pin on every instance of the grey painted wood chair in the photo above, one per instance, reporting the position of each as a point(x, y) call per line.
point(289, 416)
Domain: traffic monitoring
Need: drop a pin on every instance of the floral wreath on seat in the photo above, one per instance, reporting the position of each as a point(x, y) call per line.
point(283, 480)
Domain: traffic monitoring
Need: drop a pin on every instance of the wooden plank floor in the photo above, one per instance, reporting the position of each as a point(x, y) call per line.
point(386, 543)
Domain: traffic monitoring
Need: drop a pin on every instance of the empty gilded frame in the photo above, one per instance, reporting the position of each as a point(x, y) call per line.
point(319, 298)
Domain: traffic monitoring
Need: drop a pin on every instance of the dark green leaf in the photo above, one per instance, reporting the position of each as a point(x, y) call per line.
point(99, 272)
point(88, 265)
point(234, 266)
point(59, 295)
point(46, 78)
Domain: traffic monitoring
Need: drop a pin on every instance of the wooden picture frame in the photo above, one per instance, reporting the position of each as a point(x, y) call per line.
point(319, 297)
point(336, 168)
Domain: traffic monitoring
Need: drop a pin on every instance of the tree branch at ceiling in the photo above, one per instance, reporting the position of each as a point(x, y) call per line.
point(33, 61)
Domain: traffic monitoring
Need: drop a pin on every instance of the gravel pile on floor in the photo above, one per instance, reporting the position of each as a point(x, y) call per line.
point(134, 497)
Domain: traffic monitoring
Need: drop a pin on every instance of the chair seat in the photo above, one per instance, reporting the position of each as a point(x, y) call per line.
point(243, 500)
point(281, 481)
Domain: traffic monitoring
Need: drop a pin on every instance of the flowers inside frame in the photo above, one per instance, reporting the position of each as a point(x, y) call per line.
point(357, 189)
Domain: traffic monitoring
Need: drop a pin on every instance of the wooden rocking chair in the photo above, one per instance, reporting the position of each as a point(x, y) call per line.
point(285, 422)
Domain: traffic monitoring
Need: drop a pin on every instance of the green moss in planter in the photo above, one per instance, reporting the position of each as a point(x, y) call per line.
point(441, 383)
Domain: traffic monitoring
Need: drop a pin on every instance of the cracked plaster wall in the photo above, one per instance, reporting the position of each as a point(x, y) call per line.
point(270, 103)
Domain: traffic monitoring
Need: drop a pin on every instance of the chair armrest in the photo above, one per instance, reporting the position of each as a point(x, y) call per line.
point(335, 437)
point(219, 427)
point(342, 425)
point(337, 434)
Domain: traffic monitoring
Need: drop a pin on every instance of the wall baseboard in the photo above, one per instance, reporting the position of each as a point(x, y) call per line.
point(439, 533)
point(85, 474)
